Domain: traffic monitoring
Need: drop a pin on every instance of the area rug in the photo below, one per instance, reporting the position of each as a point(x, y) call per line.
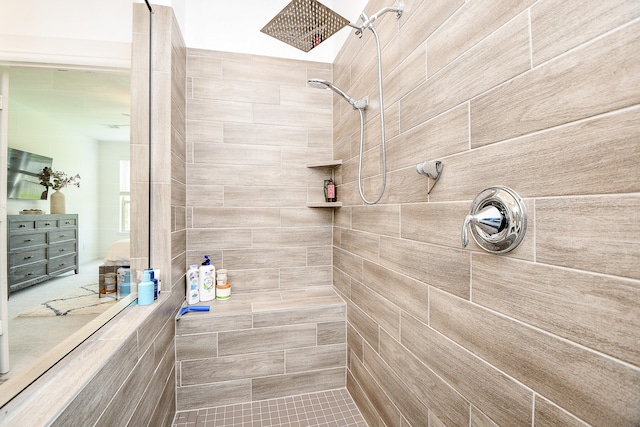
point(83, 300)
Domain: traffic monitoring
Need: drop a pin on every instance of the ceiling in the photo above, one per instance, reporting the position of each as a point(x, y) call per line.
point(93, 103)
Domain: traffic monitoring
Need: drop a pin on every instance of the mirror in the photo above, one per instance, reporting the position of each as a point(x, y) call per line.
point(100, 222)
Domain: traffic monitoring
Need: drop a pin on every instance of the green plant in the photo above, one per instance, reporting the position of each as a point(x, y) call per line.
point(57, 179)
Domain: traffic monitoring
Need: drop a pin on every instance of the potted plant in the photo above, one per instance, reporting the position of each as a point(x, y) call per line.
point(57, 180)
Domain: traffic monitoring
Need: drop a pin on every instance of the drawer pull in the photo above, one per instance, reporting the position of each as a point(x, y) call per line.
point(46, 224)
point(22, 226)
point(28, 240)
point(28, 257)
point(67, 222)
point(62, 265)
point(61, 250)
point(62, 235)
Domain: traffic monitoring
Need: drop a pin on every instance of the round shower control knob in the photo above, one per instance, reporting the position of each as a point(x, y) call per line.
point(497, 220)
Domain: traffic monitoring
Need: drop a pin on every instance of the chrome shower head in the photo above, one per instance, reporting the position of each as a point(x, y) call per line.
point(304, 24)
point(323, 84)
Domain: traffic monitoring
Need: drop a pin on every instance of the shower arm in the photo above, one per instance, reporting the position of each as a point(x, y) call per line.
point(367, 21)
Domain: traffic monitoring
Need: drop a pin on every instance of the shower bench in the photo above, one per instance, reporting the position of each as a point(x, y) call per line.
point(258, 346)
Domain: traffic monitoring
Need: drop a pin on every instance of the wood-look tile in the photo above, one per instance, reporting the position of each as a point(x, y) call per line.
point(383, 312)
point(332, 333)
point(423, 384)
point(319, 256)
point(566, 153)
point(221, 318)
point(284, 314)
point(235, 217)
point(365, 406)
point(451, 274)
point(437, 223)
point(266, 339)
point(549, 415)
point(363, 325)
point(365, 245)
point(237, 154)
point(213, 239)
point(556, 28)
point(577, 85)
point(255, 134)
point(562, 372)
point(230, 368)
point(305, 277)
point(255, 70)
point(202, 63)
point(263, 279)
point(204, 131)
point(569, 233)
point(315, 358)
point(208, 109)
point(496, 394)
point(468, 26)
point(348, 263)
point(235, 91)
point(599, 312)
point(496, 59)
point(212, 395)
point(408, 294)
point(201, 346)
point(302, 217)
point(298, 383)
point(478, 419)
point(265, 258)
point(283, 115)
point(287, 237)
point(205, 196)
point(380, 219)
point(261, 197)
point(380, 391)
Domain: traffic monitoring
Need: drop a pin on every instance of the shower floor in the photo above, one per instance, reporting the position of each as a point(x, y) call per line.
point(334, 408)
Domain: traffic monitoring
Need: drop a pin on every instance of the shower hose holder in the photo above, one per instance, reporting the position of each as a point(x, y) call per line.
point(497, 219)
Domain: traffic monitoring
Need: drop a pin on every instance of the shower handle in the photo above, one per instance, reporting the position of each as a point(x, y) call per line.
point(497, 220)
point(489, 219)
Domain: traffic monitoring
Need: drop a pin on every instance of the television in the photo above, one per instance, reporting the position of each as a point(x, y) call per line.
point(23, 169)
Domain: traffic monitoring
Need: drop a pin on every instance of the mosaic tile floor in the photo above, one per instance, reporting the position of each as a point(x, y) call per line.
point(334, 408)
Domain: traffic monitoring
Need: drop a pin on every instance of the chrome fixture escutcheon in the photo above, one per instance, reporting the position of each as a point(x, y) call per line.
point(497, 220)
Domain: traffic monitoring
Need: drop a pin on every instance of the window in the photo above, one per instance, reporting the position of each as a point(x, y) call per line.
point(125, 197)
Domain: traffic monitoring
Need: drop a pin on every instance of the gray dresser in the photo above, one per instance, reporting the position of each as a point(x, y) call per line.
point(40, 247)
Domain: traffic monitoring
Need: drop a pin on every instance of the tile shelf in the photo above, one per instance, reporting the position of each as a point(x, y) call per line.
point(325, 164)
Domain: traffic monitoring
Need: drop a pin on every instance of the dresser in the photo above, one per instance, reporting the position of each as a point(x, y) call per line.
point(40, 247)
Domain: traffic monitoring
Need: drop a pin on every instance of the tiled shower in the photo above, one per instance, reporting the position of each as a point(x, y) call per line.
point(540, 96)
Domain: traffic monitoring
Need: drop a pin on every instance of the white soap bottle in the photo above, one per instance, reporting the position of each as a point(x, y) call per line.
point(207, 280)
point(193, 295)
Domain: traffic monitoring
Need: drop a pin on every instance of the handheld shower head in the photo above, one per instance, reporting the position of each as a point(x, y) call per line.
point(323, 84)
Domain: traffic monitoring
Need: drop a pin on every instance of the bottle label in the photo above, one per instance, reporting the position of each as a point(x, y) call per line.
point(331, 191)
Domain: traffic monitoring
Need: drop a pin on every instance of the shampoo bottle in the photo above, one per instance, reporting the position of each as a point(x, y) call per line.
point(207, 280)
point(193, 296)
point(125, 288)
point(145, 290)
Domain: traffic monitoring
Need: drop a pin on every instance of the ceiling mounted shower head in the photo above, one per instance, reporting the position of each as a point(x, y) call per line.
point(304, 24)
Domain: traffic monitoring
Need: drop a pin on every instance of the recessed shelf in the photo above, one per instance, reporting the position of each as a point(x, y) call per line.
point(324, 205)
point(326, 164)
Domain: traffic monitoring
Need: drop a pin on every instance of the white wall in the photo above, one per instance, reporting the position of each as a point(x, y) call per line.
point(110, 154)
point(68, 32)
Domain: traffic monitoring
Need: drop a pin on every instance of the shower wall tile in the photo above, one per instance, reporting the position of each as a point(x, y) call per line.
point(204, 240)
point(297, 383)
point(577, 85)
point(556, 28)
point(560, 301)
point(569, 234)
point(235, 217)
point(533, 96)
point(492, 337)
point(244, 91)
point(238, 367)
point(498, 58)
point(467, 27)
point(256, 134)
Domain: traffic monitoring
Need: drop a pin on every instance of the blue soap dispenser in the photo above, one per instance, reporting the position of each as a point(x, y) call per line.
point(145, 290)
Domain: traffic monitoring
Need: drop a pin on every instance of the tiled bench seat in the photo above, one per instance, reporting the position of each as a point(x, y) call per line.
point(258, 346)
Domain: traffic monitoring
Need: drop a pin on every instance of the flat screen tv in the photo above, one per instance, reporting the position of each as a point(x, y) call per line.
point(23, 169)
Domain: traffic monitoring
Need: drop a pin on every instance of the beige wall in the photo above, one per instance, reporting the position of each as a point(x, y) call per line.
point(540, 96)
point(252, 127)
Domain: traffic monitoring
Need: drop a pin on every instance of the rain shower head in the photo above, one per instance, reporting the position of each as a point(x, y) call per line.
point(323, 84)
point(304, 24)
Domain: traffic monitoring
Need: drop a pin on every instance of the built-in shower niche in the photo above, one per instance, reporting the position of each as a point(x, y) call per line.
point(318, 201)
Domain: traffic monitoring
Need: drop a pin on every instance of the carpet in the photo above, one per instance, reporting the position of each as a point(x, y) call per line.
point(83, 300)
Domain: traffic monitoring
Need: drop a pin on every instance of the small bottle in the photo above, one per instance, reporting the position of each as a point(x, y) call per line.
point(125, 287)
point(332, 194)
point(152, 275)
point(120, 277)
point(110, 283)
point(145, 289)
point(223, 287)
point(206, 280)
point(193, 296)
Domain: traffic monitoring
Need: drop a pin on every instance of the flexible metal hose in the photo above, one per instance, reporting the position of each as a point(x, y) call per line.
point(383, 142)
